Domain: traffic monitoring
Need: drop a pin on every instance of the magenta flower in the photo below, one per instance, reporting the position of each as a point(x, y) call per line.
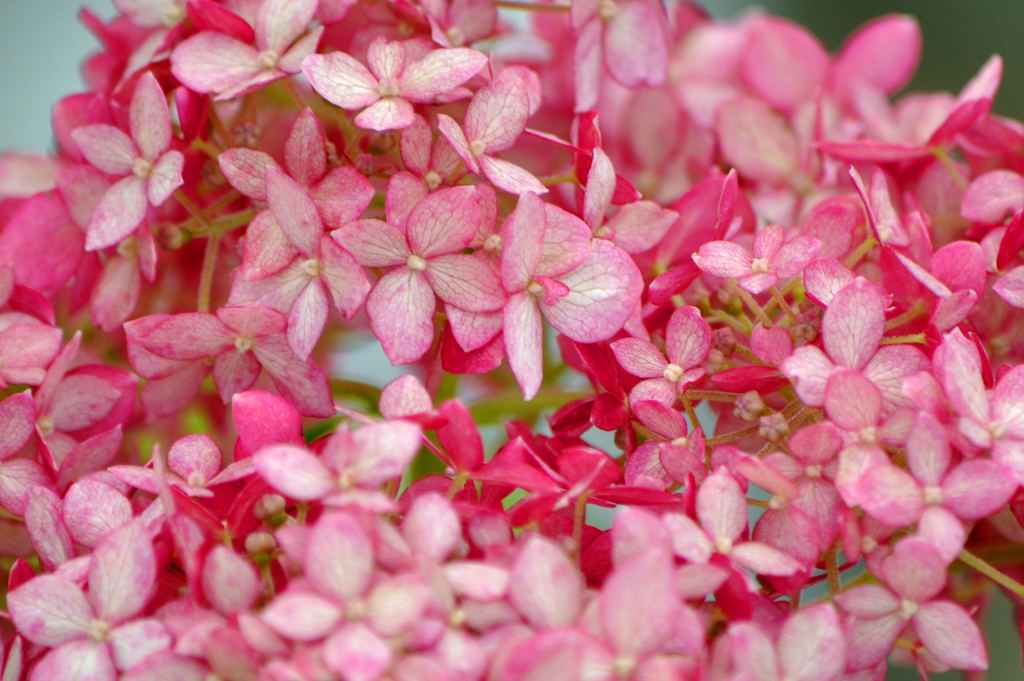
point(222, 64)
point(771, 261)
point(494, 120)
point(915, 574)
point(96, 635)
point(242, 340)
point(150, 171)
point(393, 82)
point(687, 341)
point(586, 290)
point(427, 259)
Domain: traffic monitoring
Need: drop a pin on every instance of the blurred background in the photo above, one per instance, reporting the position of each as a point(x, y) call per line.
point(42, 43)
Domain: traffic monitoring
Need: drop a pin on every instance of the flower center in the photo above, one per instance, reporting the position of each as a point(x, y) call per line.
point(608, 9)
point(142, 168)
point(759, 266)
point(813, 471)
point(243, 344)
point(604, 232)
point(868, 544)
point(311, 267)
point(455, 36)
point(457, 618)
point(432, 179)
point(997, 429)
point(535, 288)
point(356, 610)
point(268, 59)
point(477, 148)
point(98, 631)
point(347, 479)
point(673, 372)
point(196, 479)
point(624, 666)
point(933, 495)
point(416, 263)
point(389, 88)
point(908, 608)
point(126, 249)
point(173, 16)
point(45, 425)
point(777, 503)
point(492, 244)
point(723, 545)
point(868, 435)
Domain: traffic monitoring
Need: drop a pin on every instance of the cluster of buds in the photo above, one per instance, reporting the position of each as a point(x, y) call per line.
point(711, 350)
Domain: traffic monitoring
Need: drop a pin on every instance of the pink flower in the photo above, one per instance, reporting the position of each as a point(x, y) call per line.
point(494, 120)
point(194, 465)
point(811, 646)
point(852, 330)
point(687, 341)
point(392, 83)
point(221, 64)
point(426, 260)
point(95, 635)
point(150, 171)
point(916, 574)
point(242, 340)
point(586, 290)
point(770, 262)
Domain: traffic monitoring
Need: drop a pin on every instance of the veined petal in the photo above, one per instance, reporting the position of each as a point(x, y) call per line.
point(510, 177)
point(246, 170)
point(639, 358)
point(149, 117)
point(339, 557)
point(214, 62)
point(341, 80)
point(854, 323)
point(545, 587)
point(721, 506)
point(343, 277)
point(266, 249)
point(294, 211)
point(294, 471)
point(724, 259)
point(466, 282)
point(387, 113)
point(765, 560)
point(951, 635)
point(119, 212)
point(122, 572)
point(496, 116)
point(636, 45)
point(890, 496)
point(445, 222)
point(524, 342)
point(373, 243)
point(438, 72)
point(523, 242)
point(107, 148)
point(280, 22)
point(193, 335)
point(401, 312)
point(49, 611)
point(307, 319)
point(165, 177)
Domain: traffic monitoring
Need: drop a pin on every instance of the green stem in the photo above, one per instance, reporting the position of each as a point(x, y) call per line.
point(861, 251)
point(996, 576)
point(206, 278)
point(531, 6)
point(753, 305)
point(911, 338)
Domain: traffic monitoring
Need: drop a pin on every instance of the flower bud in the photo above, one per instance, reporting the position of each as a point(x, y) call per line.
point(271, 509)
point(260, 542)
point(748, 406)
point(724, 340)
point(773, 427)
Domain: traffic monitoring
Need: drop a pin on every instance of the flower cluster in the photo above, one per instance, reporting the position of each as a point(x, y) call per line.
point(712, 343)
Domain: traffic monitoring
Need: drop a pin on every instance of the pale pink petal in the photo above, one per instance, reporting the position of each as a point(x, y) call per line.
point(587, 65)
point(304, 384)
point(944, 531)
point(852, 402)
point(959, 371)
point(396, 604)
point(603, 290)
point(107, 148)
point(753, 654)
point(401, 311)
point(404, 396)
point(496, 116)
point(687, 337)
point(765, 560)
point(510, 177)
point(600, 187)
point(524, 339)
point(951, 635)
point(234, 372)
point(977, 489)
point(636, 45)
point(45, 526)
point(724, 259)
point(639, 358)
point(387, 113)
point(882, 54)
point(385, 450)
point(438, 72)
point(891, 496)
point(640, 226)
point(301, 616)
point(341, 79)
point(343, 277)
point(474, 330)
point(914, 570)
point(49, 611)
point(480, 582)
point(445, 222)
point(134, 642)
point(17, 477)
point(546, 588)
point(373, 243)
point(721, 506)
point(230, 583)
point(824, 277)
point(457, 138)
point(294, 211)
point(77, 661)
point(812, 646)
point(165, 177)
point(871, 640)
point(119, 212)
point(17, 421)
point(357, 654)
point(783, 63)
point(305, 153)
point(246, 170)
point(266, 248)
point(280, 22)
point(757, 141)
point(192, 335)
point(342, 196)
point(294, 472)
point(887, 370)
point(149, 117)
point(404, 192)
point(307, 319)
point(992, 196)
point(653, 389)
point(523, 244)
point(122, 572)
point(431, 527)
point(639, 604)
point(214, 62)
point(854, 323)
point(339, 557)
point(794, 256)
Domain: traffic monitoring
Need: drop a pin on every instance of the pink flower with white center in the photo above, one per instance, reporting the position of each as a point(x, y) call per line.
point(96, 635)
point(933, 495)
point(318, 266)
point(636, 227)
point(344, 600)
point(770, 262)
point(150, 171)
point(194, 465)
point(810, 646)
point(992, 420)
point(393, 81)
point(722, 512)
point(341, 194)
point(494, 120)
point(628, 37)
point(217, 63)
point(915, 573)
point(242, 340)
point(550, 267)
point(687, 342)
point(670, 456)
point(426, 260)
point(351, 468)
point(852, 330)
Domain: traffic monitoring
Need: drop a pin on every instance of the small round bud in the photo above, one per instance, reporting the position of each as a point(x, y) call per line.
point(268, 506)
point(724, 340)
point(171, 237)
point(260, 542)
point(715, 362)
point(748, 407)
point(773, 427)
